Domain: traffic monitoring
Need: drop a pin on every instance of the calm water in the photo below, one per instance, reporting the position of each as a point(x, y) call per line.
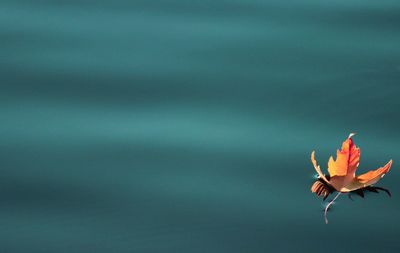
point(187, 126)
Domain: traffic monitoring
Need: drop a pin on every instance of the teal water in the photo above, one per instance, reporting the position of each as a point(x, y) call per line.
point(187, 126)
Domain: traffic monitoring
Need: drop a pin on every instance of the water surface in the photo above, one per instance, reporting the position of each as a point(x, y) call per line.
point(187, 126)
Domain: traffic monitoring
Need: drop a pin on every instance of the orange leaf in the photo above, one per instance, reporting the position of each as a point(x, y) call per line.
point(342, 170)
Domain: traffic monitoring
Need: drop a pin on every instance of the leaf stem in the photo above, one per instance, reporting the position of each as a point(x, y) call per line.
point(327, 207)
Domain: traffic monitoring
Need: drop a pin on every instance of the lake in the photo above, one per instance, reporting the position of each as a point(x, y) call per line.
point(187, 126)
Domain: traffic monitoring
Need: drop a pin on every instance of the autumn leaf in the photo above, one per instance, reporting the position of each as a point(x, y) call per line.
point(342, 173)
point(342, 170)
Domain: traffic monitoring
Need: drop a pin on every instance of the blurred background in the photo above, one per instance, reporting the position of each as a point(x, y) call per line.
point(187, 126)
